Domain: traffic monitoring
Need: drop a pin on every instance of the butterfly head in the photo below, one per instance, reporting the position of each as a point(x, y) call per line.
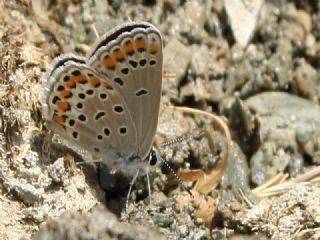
point(130, 165)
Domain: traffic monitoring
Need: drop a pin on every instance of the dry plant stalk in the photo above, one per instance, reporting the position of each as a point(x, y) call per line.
point(279, 185)
point(207, 182)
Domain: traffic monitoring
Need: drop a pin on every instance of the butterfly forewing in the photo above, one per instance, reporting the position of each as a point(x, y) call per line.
point(132, 60)
point(83, 107)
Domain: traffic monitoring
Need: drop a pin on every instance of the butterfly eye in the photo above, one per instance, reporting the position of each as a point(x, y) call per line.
point(153, 159)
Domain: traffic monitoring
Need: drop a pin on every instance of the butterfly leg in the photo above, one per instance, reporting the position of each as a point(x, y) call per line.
point(148, 182)
point(130, 188)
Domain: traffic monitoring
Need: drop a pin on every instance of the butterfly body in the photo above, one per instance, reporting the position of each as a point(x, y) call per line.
point(108, 103)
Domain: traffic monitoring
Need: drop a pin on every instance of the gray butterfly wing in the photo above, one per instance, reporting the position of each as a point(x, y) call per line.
point(84, 108)
point(131, 57)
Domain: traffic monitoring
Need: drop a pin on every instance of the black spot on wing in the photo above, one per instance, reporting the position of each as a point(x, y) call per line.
point(141, 92)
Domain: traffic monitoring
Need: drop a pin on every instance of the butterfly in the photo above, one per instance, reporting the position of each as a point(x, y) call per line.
point(108, 103)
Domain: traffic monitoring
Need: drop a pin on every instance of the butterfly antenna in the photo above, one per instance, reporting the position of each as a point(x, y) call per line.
point(175, 175)
point(174, 141)
point(181, 138)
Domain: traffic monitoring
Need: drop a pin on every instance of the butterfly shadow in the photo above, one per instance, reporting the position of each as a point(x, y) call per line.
point(50, 151)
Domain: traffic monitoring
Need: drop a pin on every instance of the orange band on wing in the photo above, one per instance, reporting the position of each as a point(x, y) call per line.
point(119, 55)
point(128, 48)
point(95, 82)
point(63, 106)
point(109, 63)
point(78, 79)
point(153, 48)
point(140, 44)
point(59, 120)
point(108, 86)
point(66, 94)
point(71, 83)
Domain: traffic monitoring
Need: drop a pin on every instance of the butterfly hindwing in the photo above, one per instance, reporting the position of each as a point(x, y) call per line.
point(131, 57)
